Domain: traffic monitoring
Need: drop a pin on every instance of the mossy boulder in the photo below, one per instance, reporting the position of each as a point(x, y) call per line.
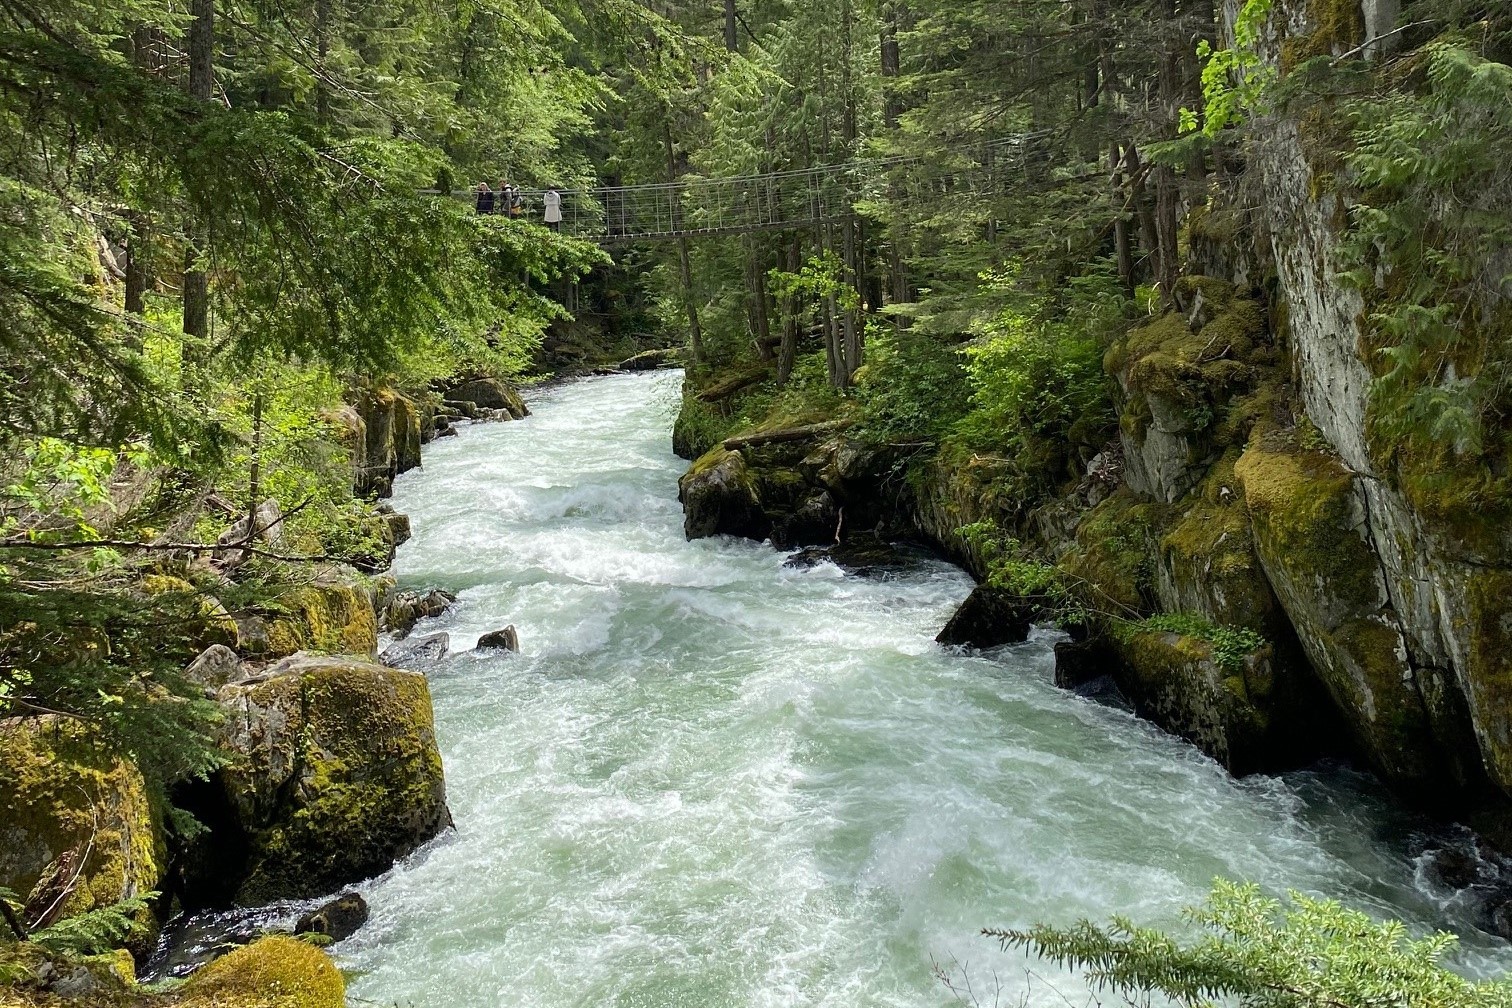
point(337, 773)
point(337, 615)
point(1175, 681)
point(1312, 536)
point(214, 624)
point(389, 425)
point(1178, 375)
point(67, 798)
point(33, 977)
point(273, 972)
point(720, 496)
point(490, 394)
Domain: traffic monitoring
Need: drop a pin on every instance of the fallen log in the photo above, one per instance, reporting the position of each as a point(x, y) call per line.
point(786, 434)
point(728, 387)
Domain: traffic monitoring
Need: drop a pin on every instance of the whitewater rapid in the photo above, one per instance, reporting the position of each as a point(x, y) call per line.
point(710, 780)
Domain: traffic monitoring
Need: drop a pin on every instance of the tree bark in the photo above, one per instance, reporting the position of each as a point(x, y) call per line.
point(788, 350)
point(201, 88)
point(731, 40)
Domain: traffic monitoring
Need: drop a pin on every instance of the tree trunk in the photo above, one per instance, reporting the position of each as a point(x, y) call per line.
point(730, 40)
point(788, 350)
point(201, 88)
point(684, 258)
point(138, 261)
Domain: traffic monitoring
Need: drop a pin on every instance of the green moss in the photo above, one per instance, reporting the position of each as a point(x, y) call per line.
point(1112, 566)
point(273, 972)
point(63, 790)
point(1302, 502)
point(1489, 666)
point(1178, 683)
point(326, 618)
point(370, 778)
point(1336, 26)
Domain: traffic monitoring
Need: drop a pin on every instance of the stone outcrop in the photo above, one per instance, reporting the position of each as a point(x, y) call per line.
point(385, 433)
point(488, 394)
point(336, 774)
point(336, 614)
point(78, 828)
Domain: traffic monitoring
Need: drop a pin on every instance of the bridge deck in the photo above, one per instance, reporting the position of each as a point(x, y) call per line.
point(695, 207)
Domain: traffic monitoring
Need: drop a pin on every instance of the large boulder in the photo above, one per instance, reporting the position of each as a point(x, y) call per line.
point(336, 774)
point(491, 394)
point(719, 496)
point(337, 613)
point(387, 436)
point(991, 617)
point(274, 972)
point(78, 827)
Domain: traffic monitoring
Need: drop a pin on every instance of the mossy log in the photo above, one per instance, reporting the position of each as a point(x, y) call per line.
point(802, 433)
point(733, 384)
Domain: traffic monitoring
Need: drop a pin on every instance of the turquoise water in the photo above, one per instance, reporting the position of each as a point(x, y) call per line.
point(712, 780)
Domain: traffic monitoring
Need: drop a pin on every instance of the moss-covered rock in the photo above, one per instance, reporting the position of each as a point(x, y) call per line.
point(1311, 533)
point(1178, 375)
point(719, 496)
point(1176, 682)
point(214, 626)
point(387, 431)
point(490, 394)
point(65, 798)
point(273, 972)
point(337, 615)
point(337, 773)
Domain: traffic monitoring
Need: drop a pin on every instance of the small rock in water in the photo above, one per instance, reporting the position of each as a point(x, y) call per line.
point(508, 639)
point(425, 650)
point(990, 617)
point(407, 608)
point(337, 920)
point(864, 555)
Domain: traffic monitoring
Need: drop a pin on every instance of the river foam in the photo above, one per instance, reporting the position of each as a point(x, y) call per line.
point(710, 780)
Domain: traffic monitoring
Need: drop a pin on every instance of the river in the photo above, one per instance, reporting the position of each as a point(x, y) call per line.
point(710, 780)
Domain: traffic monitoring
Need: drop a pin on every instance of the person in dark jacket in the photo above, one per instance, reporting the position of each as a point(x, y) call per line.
point(485, 199)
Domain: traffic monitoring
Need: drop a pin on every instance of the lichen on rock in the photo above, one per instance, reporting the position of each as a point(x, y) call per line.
point(65, 797)
point(337, 774)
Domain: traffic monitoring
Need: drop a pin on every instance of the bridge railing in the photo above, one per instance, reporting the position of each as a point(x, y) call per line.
point(693, 206)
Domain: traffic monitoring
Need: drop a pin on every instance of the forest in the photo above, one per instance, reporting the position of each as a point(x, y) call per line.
point(1182, 327)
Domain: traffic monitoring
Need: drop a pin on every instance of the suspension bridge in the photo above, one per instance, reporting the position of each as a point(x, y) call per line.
point(694, 207)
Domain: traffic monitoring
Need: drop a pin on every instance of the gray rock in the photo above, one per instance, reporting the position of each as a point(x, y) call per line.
point(508, 639)
point(216, 666)
point(337, 919)
point(425, 650)
point(404, 609)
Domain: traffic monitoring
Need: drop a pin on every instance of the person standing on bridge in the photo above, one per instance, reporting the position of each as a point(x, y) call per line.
point(485, 199)
point(553, 202)
point(516, 204)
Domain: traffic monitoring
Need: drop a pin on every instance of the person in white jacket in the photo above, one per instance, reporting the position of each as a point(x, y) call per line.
point(553, 202)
